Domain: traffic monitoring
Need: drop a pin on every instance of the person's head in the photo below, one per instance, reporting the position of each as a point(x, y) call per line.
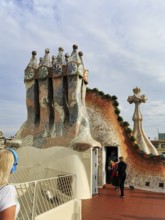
point(121, 159)
point(8, 162)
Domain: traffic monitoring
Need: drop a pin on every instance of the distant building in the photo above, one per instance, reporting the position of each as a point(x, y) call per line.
point(161, 136)
point(160, 143)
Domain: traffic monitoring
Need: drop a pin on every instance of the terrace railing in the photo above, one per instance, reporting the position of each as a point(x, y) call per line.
point(44, 192)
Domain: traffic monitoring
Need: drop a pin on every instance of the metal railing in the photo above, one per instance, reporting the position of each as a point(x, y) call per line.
point(44, 192)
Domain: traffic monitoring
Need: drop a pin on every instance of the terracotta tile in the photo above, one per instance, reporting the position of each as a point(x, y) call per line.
point(137, 205)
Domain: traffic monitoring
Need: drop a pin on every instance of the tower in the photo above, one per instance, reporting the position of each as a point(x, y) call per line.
point(138, 132)
point(55, 100)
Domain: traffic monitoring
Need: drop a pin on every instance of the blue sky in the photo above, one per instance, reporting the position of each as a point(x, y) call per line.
point(123, 43)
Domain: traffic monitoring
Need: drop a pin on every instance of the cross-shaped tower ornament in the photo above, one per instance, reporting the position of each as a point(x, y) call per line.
point(142, 139)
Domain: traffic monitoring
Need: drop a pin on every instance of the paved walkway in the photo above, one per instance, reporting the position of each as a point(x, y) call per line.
point(137, 205)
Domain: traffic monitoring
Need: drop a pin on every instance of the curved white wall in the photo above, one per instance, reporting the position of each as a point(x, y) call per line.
point(62, 159)
point(68, 211)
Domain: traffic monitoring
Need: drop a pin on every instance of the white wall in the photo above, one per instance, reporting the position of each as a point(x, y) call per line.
point(68, 211)
point(63, 159)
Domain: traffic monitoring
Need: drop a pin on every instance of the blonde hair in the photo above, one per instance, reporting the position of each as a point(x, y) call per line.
point(6, 163)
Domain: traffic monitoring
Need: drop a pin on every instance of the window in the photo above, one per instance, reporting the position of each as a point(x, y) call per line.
point(162, 145)
point(156, 145)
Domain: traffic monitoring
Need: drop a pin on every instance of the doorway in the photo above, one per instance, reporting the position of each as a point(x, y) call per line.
point(109, 153)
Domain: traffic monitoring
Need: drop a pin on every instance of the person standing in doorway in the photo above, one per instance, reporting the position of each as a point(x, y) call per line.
point(110, 163)
point(115, 177)
point(122, 175)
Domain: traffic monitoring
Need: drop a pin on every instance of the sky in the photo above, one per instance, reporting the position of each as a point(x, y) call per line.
point(123, 42)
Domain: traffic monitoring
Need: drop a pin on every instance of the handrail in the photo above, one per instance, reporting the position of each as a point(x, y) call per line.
point(37, 196)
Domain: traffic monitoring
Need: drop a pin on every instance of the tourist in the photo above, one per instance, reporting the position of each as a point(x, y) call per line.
point(115, 177)
point(110, 170)
point(9, 206)
point(122, 175)
point(110, 163)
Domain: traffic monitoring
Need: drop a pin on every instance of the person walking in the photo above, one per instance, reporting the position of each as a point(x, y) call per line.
point(9, 205)
point(122, 175)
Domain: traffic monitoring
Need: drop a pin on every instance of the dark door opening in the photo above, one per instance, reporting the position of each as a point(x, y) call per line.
point(111, 154)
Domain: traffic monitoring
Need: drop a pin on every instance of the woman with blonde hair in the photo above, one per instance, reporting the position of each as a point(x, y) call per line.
point(9, 206)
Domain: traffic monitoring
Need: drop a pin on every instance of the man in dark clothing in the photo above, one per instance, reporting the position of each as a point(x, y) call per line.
point(122, 175)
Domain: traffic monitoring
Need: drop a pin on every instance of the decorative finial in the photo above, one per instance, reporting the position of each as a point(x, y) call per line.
point(34, 53)
point(47, 50)
point(138, 132)
point(74, 55)
point(60, 55)
point(33, 61)
point(67, 57)
point(137, 97)
point(46, 59)
point(53, 60)
point(60, 49)
point(80, 53)
point(75, 47)
point(136, 90)
point(40, 61)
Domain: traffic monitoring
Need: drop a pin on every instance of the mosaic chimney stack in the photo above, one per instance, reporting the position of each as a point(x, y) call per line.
point(141, 138)
point(55, 100)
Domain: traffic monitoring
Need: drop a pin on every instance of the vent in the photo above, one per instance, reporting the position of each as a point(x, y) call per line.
point(161, 184)
point(147, 183)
